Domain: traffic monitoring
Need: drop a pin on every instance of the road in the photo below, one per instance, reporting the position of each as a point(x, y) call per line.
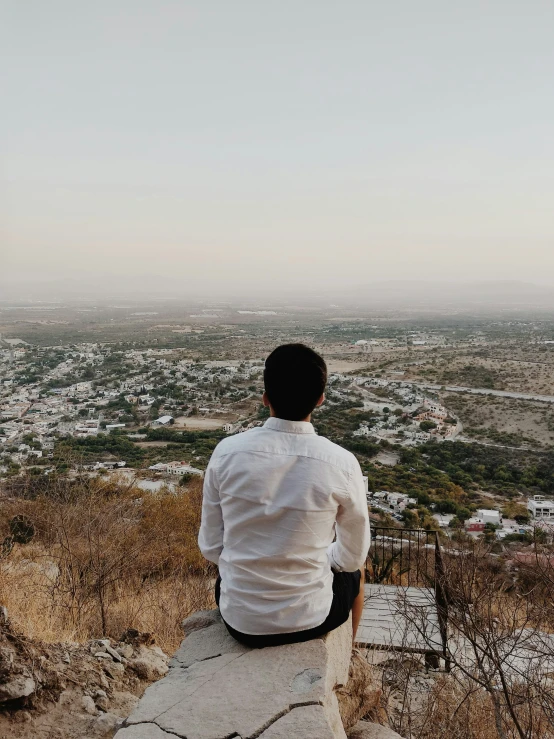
point(483, 391)
point(472, 440)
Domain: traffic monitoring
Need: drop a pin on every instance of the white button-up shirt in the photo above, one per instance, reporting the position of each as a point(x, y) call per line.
point(274, 499)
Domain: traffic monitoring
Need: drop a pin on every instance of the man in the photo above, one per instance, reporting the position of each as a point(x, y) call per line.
point(274, 499)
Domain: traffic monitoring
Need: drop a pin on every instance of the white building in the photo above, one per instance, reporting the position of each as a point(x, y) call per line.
point(180, 468)
point(443, 519)
point(435, 409)
point(396, 502)
point(162, 421)
point(399, 501)
point(89, 427)
point(487, 515)
point(420, 435)
point(541, 509)
point(175, 468)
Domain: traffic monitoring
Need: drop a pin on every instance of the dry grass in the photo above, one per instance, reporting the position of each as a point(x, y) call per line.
point(105, 558)
point(457, 710)
point(500, 649)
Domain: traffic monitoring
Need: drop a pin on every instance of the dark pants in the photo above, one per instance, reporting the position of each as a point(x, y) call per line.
point(346, 586)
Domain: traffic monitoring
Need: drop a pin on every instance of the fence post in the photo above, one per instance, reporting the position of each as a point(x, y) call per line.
point(441, 600)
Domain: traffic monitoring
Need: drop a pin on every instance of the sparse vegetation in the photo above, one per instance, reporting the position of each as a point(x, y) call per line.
point(104, 558)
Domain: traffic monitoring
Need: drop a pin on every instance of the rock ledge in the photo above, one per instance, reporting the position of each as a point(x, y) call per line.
point(216, 688)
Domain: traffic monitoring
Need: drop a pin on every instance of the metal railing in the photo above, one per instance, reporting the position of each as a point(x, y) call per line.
point(410, 558)
point(402, 557)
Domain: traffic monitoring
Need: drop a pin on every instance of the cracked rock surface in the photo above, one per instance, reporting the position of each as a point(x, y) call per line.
point(216, 688)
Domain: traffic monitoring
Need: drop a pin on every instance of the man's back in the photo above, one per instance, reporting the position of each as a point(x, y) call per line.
point(273, 498)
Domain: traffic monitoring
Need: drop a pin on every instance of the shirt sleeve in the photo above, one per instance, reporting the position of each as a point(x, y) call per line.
point(210, 537)
point(349, 551)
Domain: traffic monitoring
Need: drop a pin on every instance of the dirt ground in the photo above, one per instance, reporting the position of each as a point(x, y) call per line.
point(389, 459)
point(198, 423)
point(515, 369)
point(528, 421)
point(342, 366)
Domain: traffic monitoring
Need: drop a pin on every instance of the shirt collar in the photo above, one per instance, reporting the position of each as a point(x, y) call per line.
point(289, 427)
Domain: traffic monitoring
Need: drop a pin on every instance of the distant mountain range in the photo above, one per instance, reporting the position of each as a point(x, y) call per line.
point(404, 294)
point(470, 294)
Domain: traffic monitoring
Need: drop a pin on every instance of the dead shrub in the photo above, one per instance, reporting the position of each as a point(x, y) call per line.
point(105, 557)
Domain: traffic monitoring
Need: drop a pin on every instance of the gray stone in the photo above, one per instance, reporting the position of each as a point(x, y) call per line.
point(87, 704)
point(150, 664)
point(143, 731)
point(17, 686)
point(177, 686)
point(105, 725)
point(307, 722)
point(123, 702)
point(113, 669)
point(367, 730)
point(112, 652)
point(102, 679)
point(201, 620)
point(209, 642)
point(243, 692)
point(339, 649)
point(304, 681)
point(217, 688)
point(125, 650)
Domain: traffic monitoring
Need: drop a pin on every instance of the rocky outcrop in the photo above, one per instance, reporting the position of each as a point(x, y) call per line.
point(83, 690)
point(216, 688)
point(16, 685)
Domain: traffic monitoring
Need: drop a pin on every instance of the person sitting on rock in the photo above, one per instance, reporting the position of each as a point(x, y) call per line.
point(284, 516)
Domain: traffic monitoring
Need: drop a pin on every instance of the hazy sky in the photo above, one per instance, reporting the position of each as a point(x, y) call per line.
point(237, 142)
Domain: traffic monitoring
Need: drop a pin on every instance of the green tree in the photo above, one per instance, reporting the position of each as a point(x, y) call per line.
point(427, 425)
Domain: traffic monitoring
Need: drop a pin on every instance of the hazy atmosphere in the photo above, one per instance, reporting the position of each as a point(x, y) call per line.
point(225, 147)
point(277, 369)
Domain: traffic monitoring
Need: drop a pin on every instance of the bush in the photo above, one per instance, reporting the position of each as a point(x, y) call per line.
point(122, 557)
point(427, 425)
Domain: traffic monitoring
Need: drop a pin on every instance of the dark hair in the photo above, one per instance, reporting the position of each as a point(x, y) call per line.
point(294, 379)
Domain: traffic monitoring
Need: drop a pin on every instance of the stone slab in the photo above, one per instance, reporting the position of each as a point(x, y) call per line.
point(143, 731)
point(247, 694)
point(206, 643)
point(217, 688)
point(339, 649)
point(308, 722)
point(176, 687)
